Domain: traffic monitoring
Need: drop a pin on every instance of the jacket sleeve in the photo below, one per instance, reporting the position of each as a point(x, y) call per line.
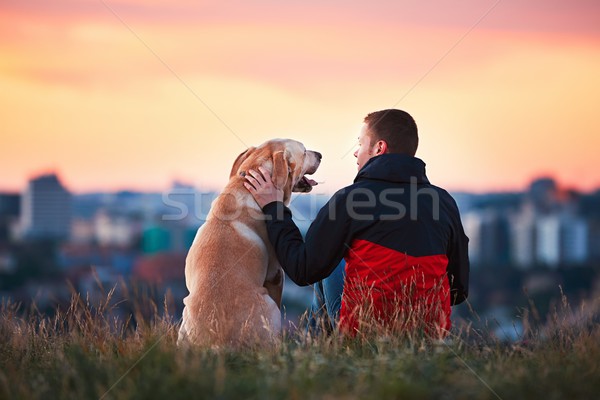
point(458, 258)
point(310, 261)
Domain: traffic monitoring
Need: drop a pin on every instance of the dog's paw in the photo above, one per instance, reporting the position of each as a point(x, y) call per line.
point(277, 279)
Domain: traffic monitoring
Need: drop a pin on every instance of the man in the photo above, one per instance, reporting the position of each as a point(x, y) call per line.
point(401, 237)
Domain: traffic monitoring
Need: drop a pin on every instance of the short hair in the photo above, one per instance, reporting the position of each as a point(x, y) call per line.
point(397, 128)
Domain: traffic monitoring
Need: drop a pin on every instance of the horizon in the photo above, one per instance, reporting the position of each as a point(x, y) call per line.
point(562, 187)
point(136, 93)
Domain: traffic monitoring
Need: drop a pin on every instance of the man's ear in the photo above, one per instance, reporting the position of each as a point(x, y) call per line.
point(280, 169)
point(381, 147)
point(240, 159)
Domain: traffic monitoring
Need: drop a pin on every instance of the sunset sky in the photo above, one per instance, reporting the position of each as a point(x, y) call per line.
point(116, 94)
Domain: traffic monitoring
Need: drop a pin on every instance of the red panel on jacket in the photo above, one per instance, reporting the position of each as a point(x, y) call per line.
point(387, 289)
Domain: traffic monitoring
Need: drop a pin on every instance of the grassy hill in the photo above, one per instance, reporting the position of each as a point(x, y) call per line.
point(82, 353)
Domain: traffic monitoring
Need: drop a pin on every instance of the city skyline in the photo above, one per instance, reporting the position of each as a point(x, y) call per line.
point(546, 225)
point(134, 94)
point(176, 182)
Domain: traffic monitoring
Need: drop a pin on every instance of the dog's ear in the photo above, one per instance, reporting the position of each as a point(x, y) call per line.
point(281, 170)
point(240, 159)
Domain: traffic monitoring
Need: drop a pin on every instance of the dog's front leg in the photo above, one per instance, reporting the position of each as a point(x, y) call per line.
point(274, 286)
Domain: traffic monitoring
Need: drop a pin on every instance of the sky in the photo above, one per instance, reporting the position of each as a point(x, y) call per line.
point(134, 94)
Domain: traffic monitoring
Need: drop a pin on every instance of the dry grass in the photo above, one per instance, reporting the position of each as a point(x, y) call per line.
point(87, 351)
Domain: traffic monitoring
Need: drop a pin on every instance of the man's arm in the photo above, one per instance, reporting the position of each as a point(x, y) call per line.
point(304, 262)
point(309, 261)
point(458, 258)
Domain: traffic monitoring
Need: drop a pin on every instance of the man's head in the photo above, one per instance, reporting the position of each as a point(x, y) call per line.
point(386, 131)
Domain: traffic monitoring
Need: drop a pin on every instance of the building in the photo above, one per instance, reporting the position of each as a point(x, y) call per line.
point(167, 236)
point(116, 260)
point(45, 209)
point(8, 263)
point(180, 203)
point(523, 238)
point(544, 195)
point(488, 237)
point(160, 268)
point(574, 244)
point(593, 244)
point(10, 204)
point(82, 231)
point(548, 240)
point(117, 229)
point(562, 239)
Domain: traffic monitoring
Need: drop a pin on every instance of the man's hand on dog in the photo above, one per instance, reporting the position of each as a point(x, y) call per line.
point(262, 188)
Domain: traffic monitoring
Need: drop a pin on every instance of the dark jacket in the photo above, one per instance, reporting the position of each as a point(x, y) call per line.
point(390, 219)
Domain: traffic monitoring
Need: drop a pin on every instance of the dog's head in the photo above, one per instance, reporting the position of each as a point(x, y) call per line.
point(288, 161)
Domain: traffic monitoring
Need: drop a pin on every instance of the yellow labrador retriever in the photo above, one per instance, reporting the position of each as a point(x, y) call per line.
point(231, 271)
